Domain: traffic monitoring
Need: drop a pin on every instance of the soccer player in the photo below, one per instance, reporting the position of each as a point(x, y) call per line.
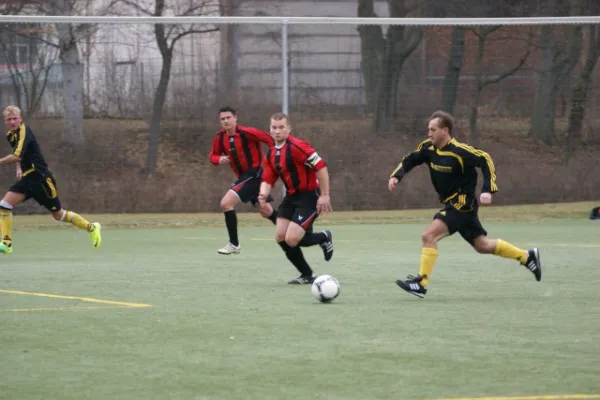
point(34, 180)
point(299, 166)
point(239, 147)
point(452, 169)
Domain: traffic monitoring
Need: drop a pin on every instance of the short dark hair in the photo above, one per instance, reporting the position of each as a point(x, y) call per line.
point(279, 116)
point(227, 109)
point(446, 120)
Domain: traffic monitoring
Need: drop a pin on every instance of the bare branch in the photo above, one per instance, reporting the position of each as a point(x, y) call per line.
point(183, 34)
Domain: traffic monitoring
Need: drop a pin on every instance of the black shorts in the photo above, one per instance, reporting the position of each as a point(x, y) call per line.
point(41, 188)
point(300, 208)
point(247, 186)
point(466, 223)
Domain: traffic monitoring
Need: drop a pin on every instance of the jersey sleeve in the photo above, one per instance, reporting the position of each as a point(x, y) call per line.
point(216, 151)
point(478, 158)
point(268, 174)
point(303, 153)
point(259, 136)
point(411, 160)
point(22, 142)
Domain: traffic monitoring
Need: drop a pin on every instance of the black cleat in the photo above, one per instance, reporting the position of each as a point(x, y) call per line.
point(412, 285)
point(327, 245)
point(534, 264)
point(303, 280)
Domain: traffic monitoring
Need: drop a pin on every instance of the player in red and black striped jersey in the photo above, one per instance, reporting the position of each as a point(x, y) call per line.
point(306, 180)
point(239, 147)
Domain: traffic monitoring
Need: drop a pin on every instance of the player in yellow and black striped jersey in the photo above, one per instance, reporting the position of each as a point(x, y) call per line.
point(452, 168)
point(34, 180)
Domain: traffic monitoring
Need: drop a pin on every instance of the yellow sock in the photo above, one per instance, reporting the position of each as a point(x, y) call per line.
point(428, 258)
point(507, 250)
point(78, 221)
point(6, 224)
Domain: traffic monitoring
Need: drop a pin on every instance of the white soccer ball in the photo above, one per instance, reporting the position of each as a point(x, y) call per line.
point(325, 288)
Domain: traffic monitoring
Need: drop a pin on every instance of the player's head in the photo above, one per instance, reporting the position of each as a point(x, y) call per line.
point(12, 117)
point(440, 128)
point(228, 118)
point(280, 127)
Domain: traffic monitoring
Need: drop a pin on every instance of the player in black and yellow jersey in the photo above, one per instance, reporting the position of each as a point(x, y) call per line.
point(34, 180)
point(452, 167)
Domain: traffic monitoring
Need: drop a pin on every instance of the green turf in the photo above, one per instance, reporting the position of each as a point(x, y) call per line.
point(230, 328)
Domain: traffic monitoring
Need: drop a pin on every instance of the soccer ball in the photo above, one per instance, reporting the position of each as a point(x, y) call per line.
point(325, 288)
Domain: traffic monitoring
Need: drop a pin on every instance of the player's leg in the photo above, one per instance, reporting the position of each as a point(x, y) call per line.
point(228, 203)
point(474, 233)
point(445, 223)
point(7, 204)
point(498, 247)
point(267, 211)
point(47, 196)
point(293, 236)
point(306, 217)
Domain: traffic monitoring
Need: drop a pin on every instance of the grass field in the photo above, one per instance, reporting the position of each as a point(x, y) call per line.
point(156, 313)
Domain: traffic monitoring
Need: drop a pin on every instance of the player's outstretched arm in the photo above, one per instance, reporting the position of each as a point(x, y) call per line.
point(264, 192)
point(411, 160)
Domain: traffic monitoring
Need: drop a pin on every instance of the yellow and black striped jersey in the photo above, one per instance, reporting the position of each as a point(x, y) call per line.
point(452, 170)
point(25, 146)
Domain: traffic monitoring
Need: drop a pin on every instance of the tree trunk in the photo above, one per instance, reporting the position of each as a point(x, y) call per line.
point(400, 43)
point(371, 48)
point(452, 75)
point(580, 92)
point(72, 75)
point(542, 120)
point(160, 96)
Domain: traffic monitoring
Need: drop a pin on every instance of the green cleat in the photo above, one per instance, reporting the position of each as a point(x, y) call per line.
point(96, 234)
point(5, 249)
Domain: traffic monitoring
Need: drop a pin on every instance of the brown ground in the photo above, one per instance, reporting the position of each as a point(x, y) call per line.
point(107, 175)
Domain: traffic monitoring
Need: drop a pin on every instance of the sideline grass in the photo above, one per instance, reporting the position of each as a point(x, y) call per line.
point(516, 213)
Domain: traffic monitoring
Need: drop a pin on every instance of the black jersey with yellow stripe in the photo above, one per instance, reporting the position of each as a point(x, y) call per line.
point(452, 170)
point(25, 146)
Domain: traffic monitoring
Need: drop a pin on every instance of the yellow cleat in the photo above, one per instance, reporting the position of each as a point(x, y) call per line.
point(5, 249)
point(96, 234)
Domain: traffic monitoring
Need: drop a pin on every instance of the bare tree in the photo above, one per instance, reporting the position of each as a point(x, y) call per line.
point(482, 81)
point(391, 51)
point(372, 46)
point(560, 48)
point(579, 95)
point(166, 39)
point(28, 63)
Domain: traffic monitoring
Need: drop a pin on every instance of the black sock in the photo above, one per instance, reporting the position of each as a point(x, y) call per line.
point(273, 217)
point(310, 239)
point(231, 223)
point(294, 254)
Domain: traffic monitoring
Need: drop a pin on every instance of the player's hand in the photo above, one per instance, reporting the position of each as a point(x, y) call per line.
point(224, 160)
point(485, 199)
point(324, 204)
point(392, 184)
point(262, 198)
point(19, 174)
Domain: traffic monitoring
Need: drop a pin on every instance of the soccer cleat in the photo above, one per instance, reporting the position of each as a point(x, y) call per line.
point(96, 234)
point(534, 264)
point(327, 245)
point(303, 280)
point(5, 249)
point(230, 249)
point(412, 285)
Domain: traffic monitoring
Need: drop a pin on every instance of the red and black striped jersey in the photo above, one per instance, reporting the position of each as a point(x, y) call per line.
point(242, 148)
point(296, 163)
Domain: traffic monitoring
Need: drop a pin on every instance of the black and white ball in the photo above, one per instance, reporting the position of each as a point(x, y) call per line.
point(325, 288)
